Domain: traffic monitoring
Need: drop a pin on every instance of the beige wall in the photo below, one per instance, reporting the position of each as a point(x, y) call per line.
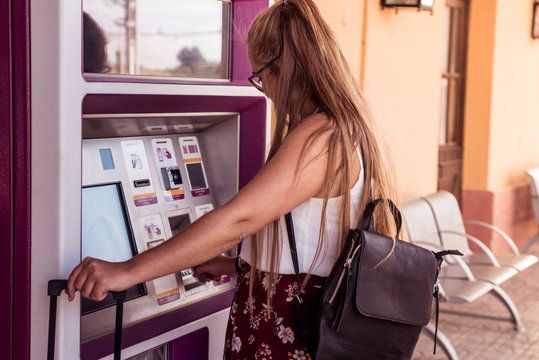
point(402, 75)
point(514, 144)
point(398, 59)
point(502, 106)
point(345, 17)
point(478, 102)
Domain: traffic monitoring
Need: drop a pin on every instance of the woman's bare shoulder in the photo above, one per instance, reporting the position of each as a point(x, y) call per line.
point(314, 130)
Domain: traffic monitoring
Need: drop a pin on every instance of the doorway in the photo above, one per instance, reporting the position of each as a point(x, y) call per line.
point(453, 82)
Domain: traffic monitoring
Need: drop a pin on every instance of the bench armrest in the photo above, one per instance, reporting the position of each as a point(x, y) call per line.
point(457, 259)
point(478, 242)
point(498, 231)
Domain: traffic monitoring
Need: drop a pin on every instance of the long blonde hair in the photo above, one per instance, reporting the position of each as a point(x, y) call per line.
point(312, 68)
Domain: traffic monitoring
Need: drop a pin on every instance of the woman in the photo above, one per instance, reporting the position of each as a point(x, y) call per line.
point(315, 169)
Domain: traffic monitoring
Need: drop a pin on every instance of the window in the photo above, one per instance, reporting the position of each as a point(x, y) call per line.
point(170, 38)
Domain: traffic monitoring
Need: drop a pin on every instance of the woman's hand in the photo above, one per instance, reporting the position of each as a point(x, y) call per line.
point(94, 278)
point(215, 268)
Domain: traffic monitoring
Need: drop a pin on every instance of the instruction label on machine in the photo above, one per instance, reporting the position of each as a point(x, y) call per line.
point(166, 287)
point(203, 209)
point(169, 173)
point(138, 172)
point(192, 159)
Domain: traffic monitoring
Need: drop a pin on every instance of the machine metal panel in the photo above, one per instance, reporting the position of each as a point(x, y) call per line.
point(218, 138)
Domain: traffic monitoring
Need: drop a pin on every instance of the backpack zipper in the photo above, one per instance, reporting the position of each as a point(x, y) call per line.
point(346, 266)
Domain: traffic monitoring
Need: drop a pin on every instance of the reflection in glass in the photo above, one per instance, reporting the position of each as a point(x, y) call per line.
point(176, 38)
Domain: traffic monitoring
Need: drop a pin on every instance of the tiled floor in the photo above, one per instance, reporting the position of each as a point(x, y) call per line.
point(488, 339)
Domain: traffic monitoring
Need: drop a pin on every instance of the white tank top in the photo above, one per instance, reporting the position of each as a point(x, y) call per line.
point(306, 218)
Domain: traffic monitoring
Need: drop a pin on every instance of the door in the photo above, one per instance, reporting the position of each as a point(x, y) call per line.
point(452, 104)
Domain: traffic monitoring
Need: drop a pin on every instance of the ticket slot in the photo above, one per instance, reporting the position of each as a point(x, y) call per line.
point(141, 183)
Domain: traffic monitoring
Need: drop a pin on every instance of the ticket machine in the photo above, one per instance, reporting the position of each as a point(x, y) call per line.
point(144, 178)
point(130, 151)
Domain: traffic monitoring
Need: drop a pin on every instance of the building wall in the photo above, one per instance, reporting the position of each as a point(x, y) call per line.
point(397, 59)
point(515, 97)
point(402, 81)
point(502, 118)
point(502, 110)
point(478, 102)
point(345, 17)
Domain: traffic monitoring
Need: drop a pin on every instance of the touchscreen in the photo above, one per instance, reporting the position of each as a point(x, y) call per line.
point(104, 226)
point(106, 234)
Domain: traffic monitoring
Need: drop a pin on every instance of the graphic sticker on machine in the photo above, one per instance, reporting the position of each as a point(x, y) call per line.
point(166, 287)
point(192, 159)
point(169, 172)
point(138, 172)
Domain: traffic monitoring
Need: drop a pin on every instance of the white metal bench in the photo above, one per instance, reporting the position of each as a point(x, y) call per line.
point(534, 177)
point(458, 280)
point(453, 234)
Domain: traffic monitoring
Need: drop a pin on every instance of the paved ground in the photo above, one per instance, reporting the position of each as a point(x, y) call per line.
point(477, 338)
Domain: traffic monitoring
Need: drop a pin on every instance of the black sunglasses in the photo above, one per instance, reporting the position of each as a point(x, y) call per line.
point(253, 79)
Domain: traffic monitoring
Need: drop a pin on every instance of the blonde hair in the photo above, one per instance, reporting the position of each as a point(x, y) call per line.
point(312, 68)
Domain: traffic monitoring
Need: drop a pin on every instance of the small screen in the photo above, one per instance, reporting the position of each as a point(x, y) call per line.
point(196, 176)
point(106, 234)
point(178, 222)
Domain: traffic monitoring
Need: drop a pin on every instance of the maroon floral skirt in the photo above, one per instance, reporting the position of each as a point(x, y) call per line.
point(256, 332)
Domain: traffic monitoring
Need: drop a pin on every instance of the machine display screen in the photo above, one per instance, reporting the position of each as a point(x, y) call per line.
point(106, 234)
point(196, 176)
point(178, 222)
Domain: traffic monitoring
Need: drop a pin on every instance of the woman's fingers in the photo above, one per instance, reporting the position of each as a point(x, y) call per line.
point(98, 292)
point(206, 277)
point(76, 279)
point(93, 278)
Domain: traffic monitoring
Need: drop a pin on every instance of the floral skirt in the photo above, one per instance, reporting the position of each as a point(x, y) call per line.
point(257, 332)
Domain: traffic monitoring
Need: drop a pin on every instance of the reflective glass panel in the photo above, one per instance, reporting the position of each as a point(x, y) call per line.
point(105, 232)
point(174, 38)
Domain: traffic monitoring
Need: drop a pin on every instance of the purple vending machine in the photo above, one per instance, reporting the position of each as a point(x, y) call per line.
point(157, 127)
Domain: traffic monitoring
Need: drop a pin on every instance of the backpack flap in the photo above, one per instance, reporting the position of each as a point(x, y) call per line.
point(399, 288)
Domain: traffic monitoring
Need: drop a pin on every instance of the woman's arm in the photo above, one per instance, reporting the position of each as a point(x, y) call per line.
point(280, 186)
